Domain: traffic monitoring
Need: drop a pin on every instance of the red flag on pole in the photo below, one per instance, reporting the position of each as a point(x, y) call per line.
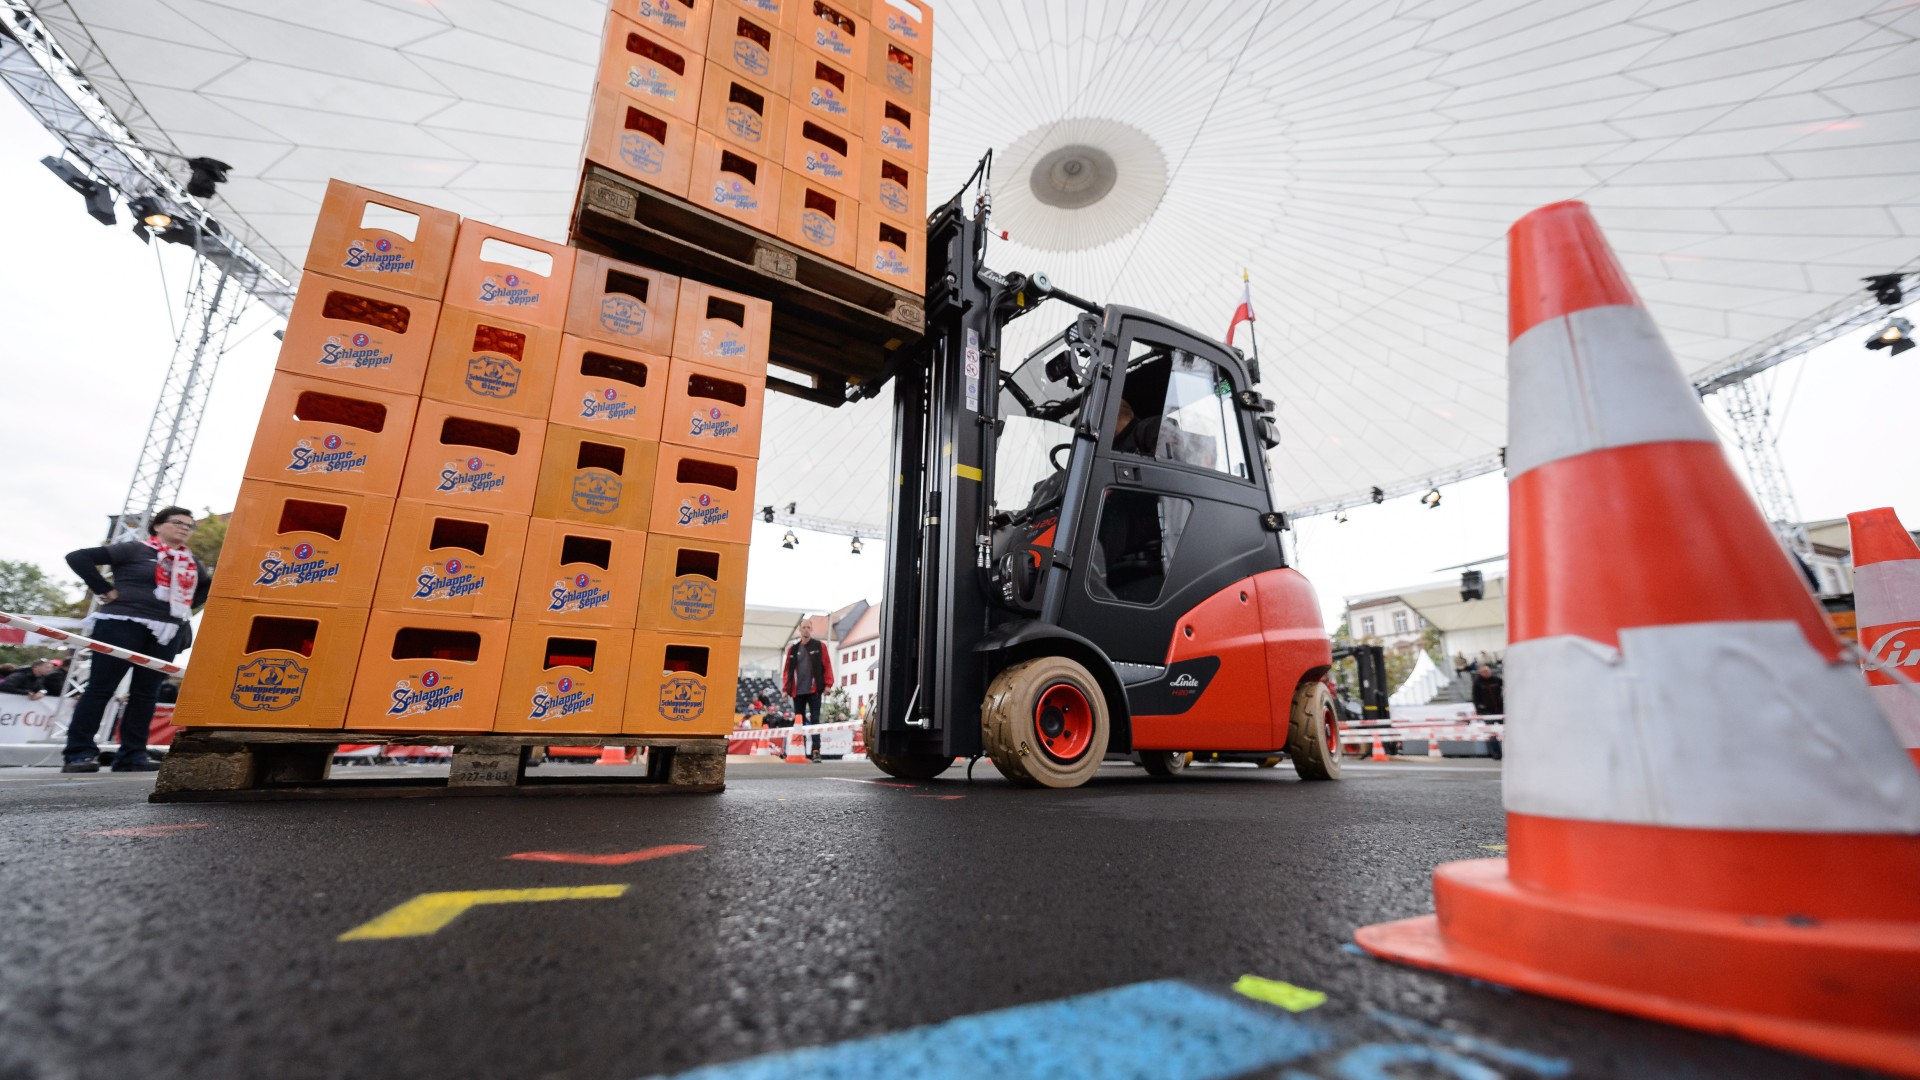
point(1243, 313)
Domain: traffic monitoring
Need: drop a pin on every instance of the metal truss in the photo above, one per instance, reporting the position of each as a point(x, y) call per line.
point(214, 303)
point(1751, 411)
point(51, 62)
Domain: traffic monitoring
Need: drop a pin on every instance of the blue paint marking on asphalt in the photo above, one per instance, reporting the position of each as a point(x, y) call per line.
point(1155, 1029)
point(1538, 1064)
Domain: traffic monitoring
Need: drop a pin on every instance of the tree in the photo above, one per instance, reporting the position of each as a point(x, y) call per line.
point(836, 708)
point(208, 537)
point(25, 589)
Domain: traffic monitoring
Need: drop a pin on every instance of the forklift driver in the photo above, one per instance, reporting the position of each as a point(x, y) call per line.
point(1154, 436)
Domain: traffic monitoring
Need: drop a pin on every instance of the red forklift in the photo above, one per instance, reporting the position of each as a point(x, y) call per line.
point(1083, 552)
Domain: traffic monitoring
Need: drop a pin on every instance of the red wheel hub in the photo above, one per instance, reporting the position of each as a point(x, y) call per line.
point(1331, 728)
point(1063, 720)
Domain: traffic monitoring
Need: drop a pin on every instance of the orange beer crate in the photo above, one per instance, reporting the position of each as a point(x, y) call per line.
point(352, 332)
point(907, 23)
point(634, 137)
point(681, 23)
point(564, 679)
point(892, 251)
point(382, 241)
point(442, 561)
point(596, 479)
point(487, 361)
point(900, 72)
point(894, 129)
point(822, 220)
point(294, 545)
point(701, 494)
point(833, 92)
point(259, 665)
point(693, 587)
point(772, 11)
point(681, 684)
point(622, 303)
point(729, 181)
point(572, 574)
point(823, 155)
point(743, 113)
point(897, 190)
point(605, 388)
point(723, 328)
point(830, 28)
point(472, 459)
point(750, 44)
point(509, 275)
point(327, 435)
point(428, 673)
point(713, 408)
point(638, 63)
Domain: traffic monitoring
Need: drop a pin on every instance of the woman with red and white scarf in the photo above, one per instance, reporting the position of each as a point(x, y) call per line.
point(157, 584)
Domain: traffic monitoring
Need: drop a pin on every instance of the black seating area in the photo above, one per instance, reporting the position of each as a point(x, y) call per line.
point(764, 688)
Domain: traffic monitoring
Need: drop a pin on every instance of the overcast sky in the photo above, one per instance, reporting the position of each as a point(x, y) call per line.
point(88, 311)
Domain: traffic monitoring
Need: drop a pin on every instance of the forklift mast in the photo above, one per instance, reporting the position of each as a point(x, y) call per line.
point(945, 397)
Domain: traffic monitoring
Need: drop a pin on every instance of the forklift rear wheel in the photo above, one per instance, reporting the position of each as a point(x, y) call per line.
point(904, 766)
point(1313, 738)
point(1045, 723)
point(1165, 762)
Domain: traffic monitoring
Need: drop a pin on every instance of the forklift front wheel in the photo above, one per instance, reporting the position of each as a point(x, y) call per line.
point(1045, 722)
point(1313, 739)
point(905, 766)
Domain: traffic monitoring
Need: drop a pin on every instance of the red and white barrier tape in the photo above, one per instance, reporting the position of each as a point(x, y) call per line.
point(91, 645)
point(766, 734)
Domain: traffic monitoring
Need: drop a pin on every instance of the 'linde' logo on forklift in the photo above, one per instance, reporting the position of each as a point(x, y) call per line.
point(1184, 682)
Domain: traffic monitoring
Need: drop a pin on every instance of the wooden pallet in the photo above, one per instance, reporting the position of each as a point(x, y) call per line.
point(829, 320)
point(220, 765)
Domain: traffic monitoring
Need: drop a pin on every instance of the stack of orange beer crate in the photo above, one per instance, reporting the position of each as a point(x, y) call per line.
point(804, 119)
point(499, 485)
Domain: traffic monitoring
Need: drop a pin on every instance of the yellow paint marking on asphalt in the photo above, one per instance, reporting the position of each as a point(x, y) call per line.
point(1501, 848)
point(1284, 994)
point(428, 913)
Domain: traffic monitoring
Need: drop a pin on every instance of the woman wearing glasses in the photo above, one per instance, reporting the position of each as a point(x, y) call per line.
point(157, 584)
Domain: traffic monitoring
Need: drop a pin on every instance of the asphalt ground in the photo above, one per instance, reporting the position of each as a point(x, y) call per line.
point(1100, 931)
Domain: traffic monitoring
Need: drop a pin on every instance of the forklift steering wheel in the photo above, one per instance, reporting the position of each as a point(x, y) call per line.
point(1054, 453)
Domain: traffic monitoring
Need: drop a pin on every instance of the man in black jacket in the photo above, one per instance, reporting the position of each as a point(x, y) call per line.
point(35, 681)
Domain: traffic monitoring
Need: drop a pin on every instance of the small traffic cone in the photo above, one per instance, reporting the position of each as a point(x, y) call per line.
point(796, 749)
point(1379, 751)
point(1886, 596)
point(1433, 746)
point(612, 755)
point(1708, 822)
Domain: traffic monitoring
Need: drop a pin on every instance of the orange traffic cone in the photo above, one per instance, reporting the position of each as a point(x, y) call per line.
point(796, 749)
point(1886, 593)
point(1433, 746)
point(1707, 820)
point(612, 755)
point(1379, 752)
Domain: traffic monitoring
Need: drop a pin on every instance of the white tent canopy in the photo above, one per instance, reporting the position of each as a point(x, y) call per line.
point(1424, 681)
point(1750, 161)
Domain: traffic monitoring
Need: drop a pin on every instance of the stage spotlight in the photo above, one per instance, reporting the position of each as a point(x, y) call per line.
point(1379, 496)
point(790, 508)
point(1896, 337)
point(789, 540)
point(1885, 288)
point(856, 544)
point(1339, 517)
point(766, 514)
point(98, 195)
point(206, 173)
point(1473, 585)
point(150, 213)
point(1431, 500)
